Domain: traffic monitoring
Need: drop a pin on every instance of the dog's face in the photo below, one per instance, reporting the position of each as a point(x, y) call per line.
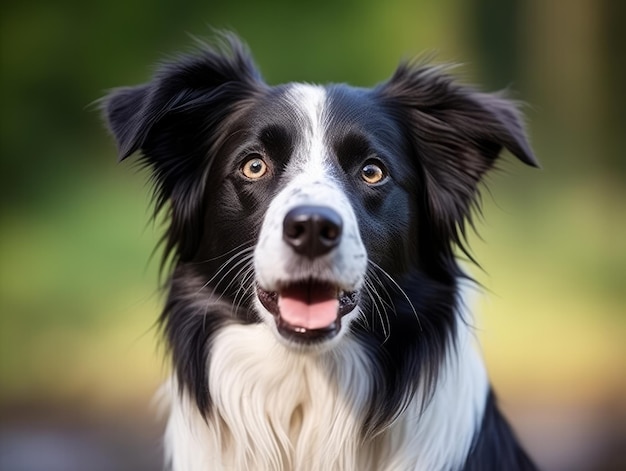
point(333, 188)
point(291, 202)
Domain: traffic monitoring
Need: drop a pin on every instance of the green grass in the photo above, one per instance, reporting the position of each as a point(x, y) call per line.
point(78, 292)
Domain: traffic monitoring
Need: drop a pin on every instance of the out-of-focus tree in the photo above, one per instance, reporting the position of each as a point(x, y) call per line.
point(569, 58)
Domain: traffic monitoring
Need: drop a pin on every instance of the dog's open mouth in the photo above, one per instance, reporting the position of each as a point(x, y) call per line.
point(309, 310)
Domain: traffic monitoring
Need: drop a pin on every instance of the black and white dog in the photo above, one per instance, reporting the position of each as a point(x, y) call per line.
point(317, 316)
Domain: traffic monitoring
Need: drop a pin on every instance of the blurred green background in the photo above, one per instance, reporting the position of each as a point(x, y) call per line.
point(79, 356)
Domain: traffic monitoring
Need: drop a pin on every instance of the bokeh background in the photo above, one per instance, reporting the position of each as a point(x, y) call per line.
point(79, 355)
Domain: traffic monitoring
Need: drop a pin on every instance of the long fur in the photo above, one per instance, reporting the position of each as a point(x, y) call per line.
point(401, 385)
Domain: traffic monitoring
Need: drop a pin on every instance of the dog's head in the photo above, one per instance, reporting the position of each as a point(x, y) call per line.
point(293, 202)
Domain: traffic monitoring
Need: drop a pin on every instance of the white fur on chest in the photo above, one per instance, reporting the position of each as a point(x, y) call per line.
point(276, 409)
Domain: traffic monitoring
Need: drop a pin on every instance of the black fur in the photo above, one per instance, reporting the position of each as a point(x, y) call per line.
point(496, 447)
point(190, 124)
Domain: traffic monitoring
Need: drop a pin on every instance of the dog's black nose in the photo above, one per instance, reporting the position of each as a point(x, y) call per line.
point(312, 230)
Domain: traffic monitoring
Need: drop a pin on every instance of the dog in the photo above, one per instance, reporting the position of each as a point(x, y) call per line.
point(317, 314)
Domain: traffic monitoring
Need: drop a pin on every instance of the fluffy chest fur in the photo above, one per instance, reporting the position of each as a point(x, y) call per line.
point(279, 410)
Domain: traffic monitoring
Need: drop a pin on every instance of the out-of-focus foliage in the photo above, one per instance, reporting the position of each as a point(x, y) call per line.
point(78, 295)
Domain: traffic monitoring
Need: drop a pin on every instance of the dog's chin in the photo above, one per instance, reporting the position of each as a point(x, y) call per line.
point(310, 312)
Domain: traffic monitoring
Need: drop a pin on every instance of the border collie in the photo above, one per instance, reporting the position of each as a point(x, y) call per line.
point(317, 315)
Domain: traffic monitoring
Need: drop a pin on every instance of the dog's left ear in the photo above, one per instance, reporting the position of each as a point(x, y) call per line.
point(456, 133)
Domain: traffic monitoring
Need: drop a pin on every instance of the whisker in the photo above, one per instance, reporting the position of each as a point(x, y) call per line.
point(240, 257)
point(245, 261)
point(240, 271)
point(241, 262)
point(247, 270)
point(248, 243)
point(391, 305)
point(244, 292)
point(399, 288)
point(375, 297)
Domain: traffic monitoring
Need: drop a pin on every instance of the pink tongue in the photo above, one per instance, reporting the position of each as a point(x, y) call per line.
point(308, 306)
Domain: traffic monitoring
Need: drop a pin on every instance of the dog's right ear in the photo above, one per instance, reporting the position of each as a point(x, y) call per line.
point(178, 123)
point(194, 81)
point(125, 117)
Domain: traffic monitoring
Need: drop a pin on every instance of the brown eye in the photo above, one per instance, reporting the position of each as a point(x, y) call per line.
point(372, 174)
point(254, 168)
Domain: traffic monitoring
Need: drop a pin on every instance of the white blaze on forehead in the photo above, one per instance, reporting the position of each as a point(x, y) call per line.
point(309, 102)
point(309, 179)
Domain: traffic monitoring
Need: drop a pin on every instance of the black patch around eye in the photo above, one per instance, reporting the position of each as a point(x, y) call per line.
point(352, 147)
point(277, 141)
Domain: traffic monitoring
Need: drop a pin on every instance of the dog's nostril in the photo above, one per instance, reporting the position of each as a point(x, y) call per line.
point(295, 230)
point(312, 230)
point(329, 232)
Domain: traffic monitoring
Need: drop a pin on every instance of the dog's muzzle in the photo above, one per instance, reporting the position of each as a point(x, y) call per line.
point(310, 310)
